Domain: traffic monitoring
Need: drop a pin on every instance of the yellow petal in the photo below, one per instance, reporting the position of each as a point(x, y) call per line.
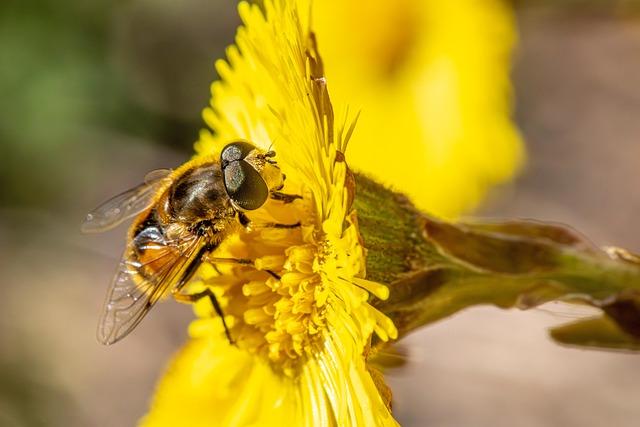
point(431, 78)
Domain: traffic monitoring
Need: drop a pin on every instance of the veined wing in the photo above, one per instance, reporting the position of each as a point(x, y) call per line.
point(143, 280)
point(125, 205)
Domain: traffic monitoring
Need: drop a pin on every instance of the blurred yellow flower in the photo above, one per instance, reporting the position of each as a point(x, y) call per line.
point(431, 78)
point(303, 327)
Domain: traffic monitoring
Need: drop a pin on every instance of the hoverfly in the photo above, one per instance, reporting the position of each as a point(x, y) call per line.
point(182, 217)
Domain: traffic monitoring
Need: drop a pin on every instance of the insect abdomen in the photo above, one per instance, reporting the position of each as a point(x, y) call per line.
point(150, 251)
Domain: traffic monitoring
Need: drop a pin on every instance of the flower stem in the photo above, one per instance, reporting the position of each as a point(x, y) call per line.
point(435, 268)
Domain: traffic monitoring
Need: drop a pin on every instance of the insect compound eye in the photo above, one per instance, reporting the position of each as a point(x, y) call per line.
point(235, 151)
point(245, 186)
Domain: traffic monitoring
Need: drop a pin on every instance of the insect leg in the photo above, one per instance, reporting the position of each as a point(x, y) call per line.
point(247, 223)
point(216, 260)
point(276, 225)
point(238, 261)
point(191, 298)
point(283, 197)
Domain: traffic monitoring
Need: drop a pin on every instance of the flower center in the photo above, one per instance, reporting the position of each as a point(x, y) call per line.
point(278, 304)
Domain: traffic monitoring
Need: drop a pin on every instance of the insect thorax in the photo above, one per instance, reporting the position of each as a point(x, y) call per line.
point(199, 194)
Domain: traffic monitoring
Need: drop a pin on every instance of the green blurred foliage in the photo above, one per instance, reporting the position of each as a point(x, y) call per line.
point(77, 75)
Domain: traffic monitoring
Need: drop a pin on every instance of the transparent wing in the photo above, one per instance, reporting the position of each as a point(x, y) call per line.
point(156, 174)
point(125, 205)
point(131, 294)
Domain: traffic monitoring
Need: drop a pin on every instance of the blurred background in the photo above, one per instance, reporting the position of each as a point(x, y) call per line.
point(95, 94)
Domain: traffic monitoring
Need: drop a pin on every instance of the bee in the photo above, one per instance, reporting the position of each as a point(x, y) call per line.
point(182, 216)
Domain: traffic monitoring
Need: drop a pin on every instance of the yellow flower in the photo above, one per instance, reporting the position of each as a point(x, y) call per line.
point(302, 333)
point(431, 78)
point(303, 316)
